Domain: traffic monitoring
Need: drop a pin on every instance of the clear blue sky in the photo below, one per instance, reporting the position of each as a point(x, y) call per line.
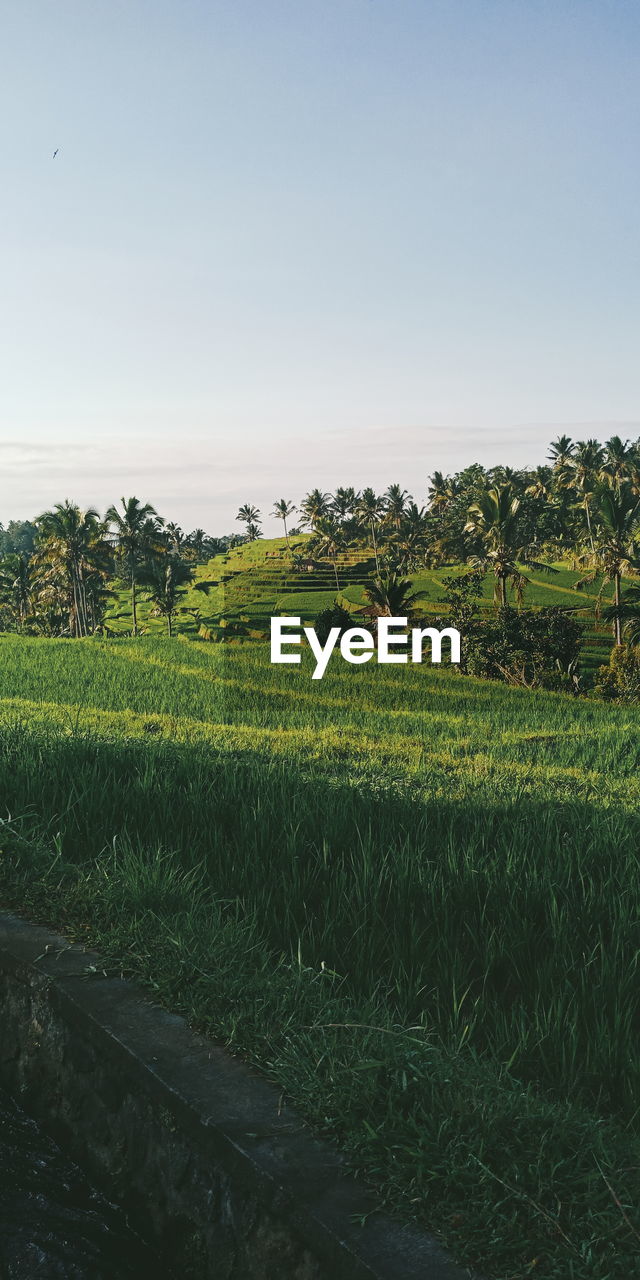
point(298, 242)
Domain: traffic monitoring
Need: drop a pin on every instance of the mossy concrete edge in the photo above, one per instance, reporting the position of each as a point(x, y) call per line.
point(211, 1167)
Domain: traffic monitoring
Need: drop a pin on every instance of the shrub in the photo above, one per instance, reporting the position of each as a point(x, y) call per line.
point(538, 649)
point(334, 616)
point(620, 678)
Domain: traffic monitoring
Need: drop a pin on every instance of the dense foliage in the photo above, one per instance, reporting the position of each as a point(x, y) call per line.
point(58, 573)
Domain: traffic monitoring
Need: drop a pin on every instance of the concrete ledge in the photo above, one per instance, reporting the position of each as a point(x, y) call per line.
point(213, 1172)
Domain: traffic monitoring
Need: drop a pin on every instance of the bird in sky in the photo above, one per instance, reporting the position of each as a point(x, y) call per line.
point(55, 153)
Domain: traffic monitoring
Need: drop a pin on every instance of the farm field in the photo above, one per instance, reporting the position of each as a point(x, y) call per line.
point(262, 578)
point(410, 897)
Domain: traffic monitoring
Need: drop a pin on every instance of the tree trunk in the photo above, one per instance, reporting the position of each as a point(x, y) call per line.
point(82, 595)
point(586, 507)
point(335, 570)
point(133, 602)
point(169, 627)
point(503, 591)
point(75, 618)
point(617, 621)
point(375, 547)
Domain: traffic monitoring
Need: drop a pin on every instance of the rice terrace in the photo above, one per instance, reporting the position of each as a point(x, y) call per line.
point(410, 894)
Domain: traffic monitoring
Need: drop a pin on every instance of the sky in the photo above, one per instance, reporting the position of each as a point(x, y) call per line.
point(298, 243)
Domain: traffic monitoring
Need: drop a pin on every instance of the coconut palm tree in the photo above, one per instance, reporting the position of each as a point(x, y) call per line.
point(196, 541)
point(392, 596)
point(135, 532)
point(71, 546)
point(163, 580)
point(344, 503)
point(328, 540)
point(626, 614)
point(494, 517)
point(314, 507)
point(16, 585)
point(370, 510)
point(585, 467)
point(540, 484)
point(175, 535)
point(282, 510)
point(618, 460)
point(396, 500)
point(250, 516)
point(616, 519)
point(441, 490)
point(561, 452)
point(412, 538)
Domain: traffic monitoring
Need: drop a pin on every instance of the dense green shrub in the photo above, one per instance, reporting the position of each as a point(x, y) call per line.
point(620, 678)
point(537, 648)
point(334, 616)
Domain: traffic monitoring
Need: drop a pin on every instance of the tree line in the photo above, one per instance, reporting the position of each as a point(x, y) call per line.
point(57, 573)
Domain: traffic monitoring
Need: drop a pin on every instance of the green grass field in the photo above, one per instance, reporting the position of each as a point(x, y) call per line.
point(410, 897)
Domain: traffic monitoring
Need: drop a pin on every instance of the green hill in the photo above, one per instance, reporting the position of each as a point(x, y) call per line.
point(264, 578)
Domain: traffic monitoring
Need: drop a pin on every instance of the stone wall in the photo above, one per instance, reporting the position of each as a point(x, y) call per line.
point(212, 1170)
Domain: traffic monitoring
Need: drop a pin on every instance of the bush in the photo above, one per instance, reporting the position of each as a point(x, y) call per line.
point(335, 616)
point(538, 648)
point(620, 678)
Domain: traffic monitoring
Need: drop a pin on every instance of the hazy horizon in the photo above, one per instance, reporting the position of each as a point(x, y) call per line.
point(99, 477)
point(281, 246)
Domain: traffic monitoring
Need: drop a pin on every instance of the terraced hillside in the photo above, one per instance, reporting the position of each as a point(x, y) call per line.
point(265, 578)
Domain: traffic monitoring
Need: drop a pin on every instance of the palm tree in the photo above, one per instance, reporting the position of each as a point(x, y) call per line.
point(250, 516)
point(163, 579)
point(15, 584)
point(135, 533)
point(626, 614)
point(396, 500)
point(370, 510)
point(196, 541)
point(560, 455)
point(314, 507)
point(71, 546)
point(392, 596)
point(561, 452)
point(344, 502)
point(411, 542)
point(586, 465)
point(616, 516)
point(441, 490)
point(282, 510)
point(504, 475)
point(540, 485)
point(494, 517)
point(328, 540)
point(634, 466)
point(618, 459)
point(175, 535)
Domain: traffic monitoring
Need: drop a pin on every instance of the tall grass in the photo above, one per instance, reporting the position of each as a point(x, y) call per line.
point(413, 898)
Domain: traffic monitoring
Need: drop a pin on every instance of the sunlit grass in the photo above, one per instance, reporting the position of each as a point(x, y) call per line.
point(412, 898)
